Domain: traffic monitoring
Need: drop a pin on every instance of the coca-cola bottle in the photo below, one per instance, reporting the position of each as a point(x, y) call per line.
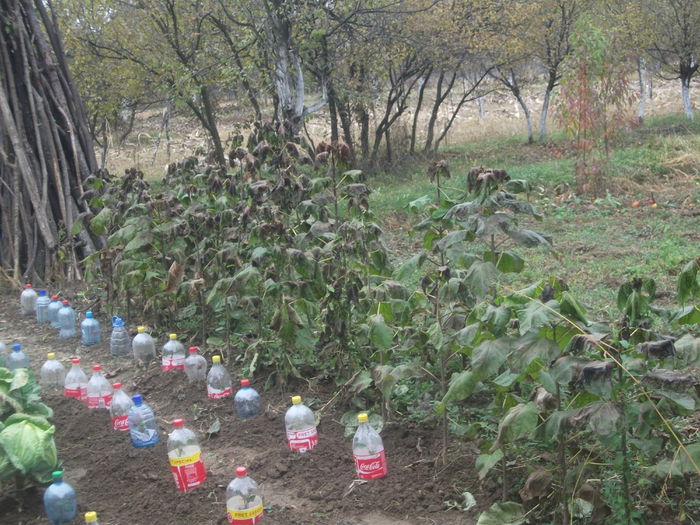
point(244, 505)
point(195, 366)
point(185, 457)
point(218, 380)
point(300, 424)
point(119, 408)
point(76, 381)
point(368, 451)
point(99, 391)
point(173, 354)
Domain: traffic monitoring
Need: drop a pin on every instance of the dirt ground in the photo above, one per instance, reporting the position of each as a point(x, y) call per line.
point(134, 485)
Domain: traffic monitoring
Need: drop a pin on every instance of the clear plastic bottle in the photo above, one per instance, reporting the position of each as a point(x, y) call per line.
point(52, 373)
point(66, 321)
point(195, 366)
point(173, 354)
point(247, 401)
point(119, 408)
point(301, 427)
point(76, 381)
point(99, 391)
point(368, 451)
point(185, 457)
point(59, 501)
point(17, 359)
point(119, 341)
point(218, 380)
point(91, 518)
point(42, 307)
point(142, 423)
point(143, 347)
point(53, 309)
point(90, 332)
point(244, 504)
point(27, 300)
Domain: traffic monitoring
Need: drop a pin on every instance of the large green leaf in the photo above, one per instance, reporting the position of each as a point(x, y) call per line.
point(536, 314)
point(488, 357)
point(518, 422)
point(386, 376)
point(485, 462)
point(529, 238)
point(681, 463)
point(687, 315)
point(688, 285)
point(507, 513)
point(688, 350)
point(461, 386)
point(506, 262)
point(29, 445)
point(379, 333)
point(570, 307)
point(99, 223)
point(480, 277)
point(408, 268)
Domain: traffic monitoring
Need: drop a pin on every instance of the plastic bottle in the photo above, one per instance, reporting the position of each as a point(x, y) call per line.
point(42, 307)
point(99, 391)
point(218, 380)
point(142, 423)
point(66, 321)
point(76, 382)
point(244, 504)
point(195, 366)
point(173, 354)
point(185, 457)
point(119, 341)
point(247, 401)
point(368, 451)
point(53, 309)
point(90, 330)
point(119, 408)
point(143, 346)
point(91, 518)
point(52, 373)
point(17, 359)
point(27, 300)
point(301, 427)
point(59, 501)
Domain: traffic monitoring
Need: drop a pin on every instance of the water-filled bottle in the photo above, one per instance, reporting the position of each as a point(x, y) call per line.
point(99, 391)
point(119, 342)
point(119, 408)
point(247, 401)
point(90, 332)
point(27, 300)
point(54, 306)
point(76, 381)
point(195, 366)
point(66, 321)
point(173, 354)
point(42, 307)
point(244, 503)
point(185, 457)
point(59, 501)
point(17, 359)
point(143, 347)
point(301, 427)
point(218, 380)
point(52, 374)
point(368, 451)
point(142, 423)
point(91, 518)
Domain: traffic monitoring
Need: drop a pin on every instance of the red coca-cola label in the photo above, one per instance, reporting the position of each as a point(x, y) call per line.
point(302, 440)
point(120, 422)
point(99, 401)
point(77, 393)
point(370, 467)
point(172, 364)
point(215, 393)
point(188, 472)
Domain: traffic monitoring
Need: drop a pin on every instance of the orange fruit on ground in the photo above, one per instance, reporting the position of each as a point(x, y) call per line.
point(635, 204)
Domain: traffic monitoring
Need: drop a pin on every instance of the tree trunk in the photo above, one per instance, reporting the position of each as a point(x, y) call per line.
point(685, 92)
point(551, 84)
point(333, 112)
point(641, 72)
point(419, 105)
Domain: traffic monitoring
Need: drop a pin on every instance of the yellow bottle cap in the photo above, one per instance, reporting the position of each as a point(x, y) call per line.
point(51, 355)
point(216, 359)
point(296, 400)
point(141, 329)
point(362, 417)
point(91, 517)
point(173, 336)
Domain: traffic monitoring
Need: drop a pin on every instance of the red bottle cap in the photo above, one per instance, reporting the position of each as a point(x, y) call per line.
point(179, 423)
point(65, 303)
point(27, 285)
point(241, 471)
point(193, 349)
point(54, 297)
point(75, 360)
point(117, 386)
point(245, 382)
point(96, 368)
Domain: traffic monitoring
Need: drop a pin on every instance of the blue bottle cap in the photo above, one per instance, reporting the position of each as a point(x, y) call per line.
point(138, 400)
point(16, 347)
point(88, 315)
point(117, 321)
point(42, 293)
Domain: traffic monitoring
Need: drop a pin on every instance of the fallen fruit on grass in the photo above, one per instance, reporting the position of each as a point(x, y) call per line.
point(654, 205)
point(635, 204)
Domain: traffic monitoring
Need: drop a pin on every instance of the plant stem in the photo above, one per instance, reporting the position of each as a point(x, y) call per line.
point(563, 495)
point(625, 456)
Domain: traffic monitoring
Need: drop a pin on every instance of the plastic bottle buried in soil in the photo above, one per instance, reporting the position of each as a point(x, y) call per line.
point(91, 518)
point(185, 457)
point(173, 354)
point(52, 374)
point(90, 331)
point(247, 401)
point(27, 300)
point(368, 451)
point(142, 423)
point(195, 366)
point(17, 359)
point(218, 380)
point(244, 504)
point(143, 347)
point(119, 408)
point(99, 391)
point(119, 343)
point(300, 424)
point(59, 501)
point(66, 321)
point(54, 306)
point(42, 307)
point(76, 382)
